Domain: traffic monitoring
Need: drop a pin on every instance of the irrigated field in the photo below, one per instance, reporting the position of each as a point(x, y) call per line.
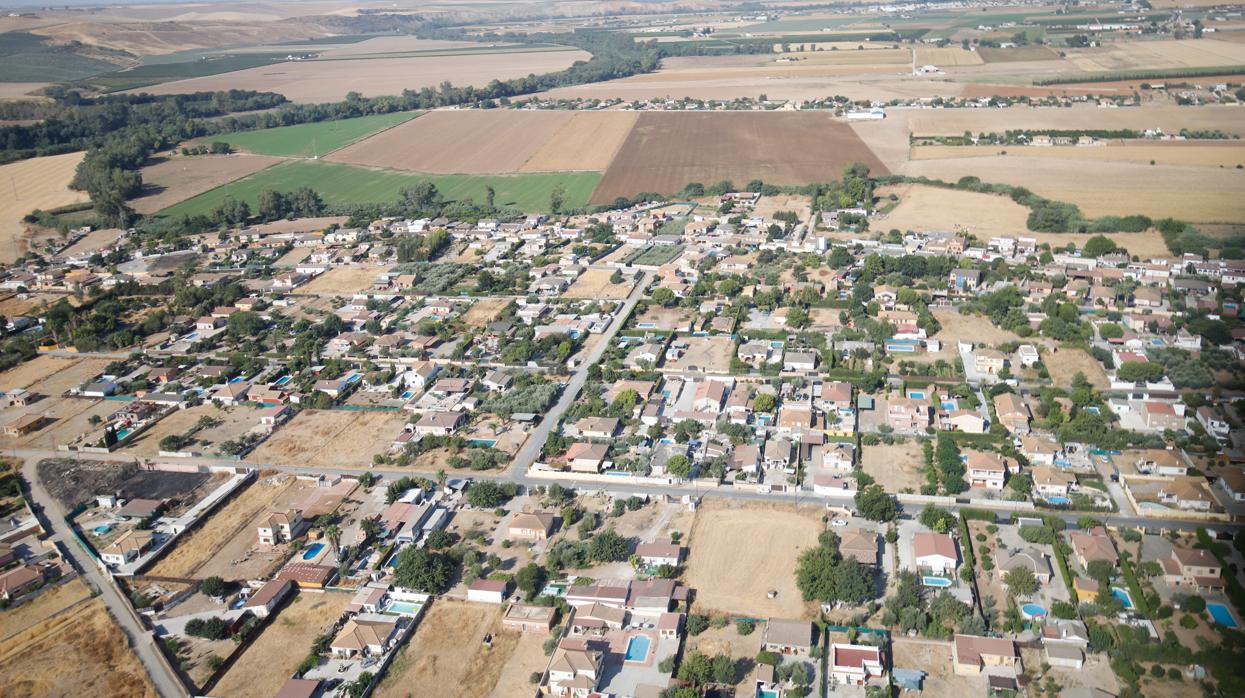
point(739, 553)
point(666, 151)
point(314, 139)
point(38, 183)
point(467, 141)
point(589, 141)
point(174, 179)
point(340, 184)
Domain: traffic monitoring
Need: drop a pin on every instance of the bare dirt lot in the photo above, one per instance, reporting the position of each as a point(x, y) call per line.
point(494, 141)
point(343, 281)
point(446, 655)
point(589, 141)
point(266, 664)
point(50, 602)
point(26, 374)
point(171, 179)
point(666, 151)
point(595, 283)
point(895, 467)
point(739, 553)
point(970, 328)
point(484, 311)
point(67, 419)
point(234, 422)
point(934, 657)
point(705, 354)
point(37, 183)
point(229, 534)
point(1066, 363)
point(322, 438)
point(82, 652)
point(330, 80)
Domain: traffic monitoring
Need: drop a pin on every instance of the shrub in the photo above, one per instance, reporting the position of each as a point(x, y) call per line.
point(745, 627)
point(696, 624)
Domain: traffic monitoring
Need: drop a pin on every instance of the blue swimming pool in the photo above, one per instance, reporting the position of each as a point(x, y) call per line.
point(916, 394)
point(935, 582)
point(1221, 614)
point(405, 608)
point(1032, 610)
point(767, 693)
point(1056, 499)
point(122, 433)
point(282, 380)
point(354, 378)
point(102, 529)
point(487, 443)
point(408, 395)
point(1122, 596)
point(637, 648)
point(948, 405)
point(312, 551)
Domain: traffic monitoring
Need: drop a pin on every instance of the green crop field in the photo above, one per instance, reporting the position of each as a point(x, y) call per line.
point(26, 57)
point(654, 255)
point(314, 139)
point(345, 185)
point(195, 67)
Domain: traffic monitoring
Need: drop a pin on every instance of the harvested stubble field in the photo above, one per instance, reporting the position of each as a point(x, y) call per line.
point(595, 283)
point(1190, 153)
point(969, 328)
point(331, 438)
point(1017, 54)
point(1064, 364)
point(343, 281)
point(885, 56)
point(947, 55)
point(589, 141)
point(954, 122)
point(173, 178)
point(666, 151)
point(46, 604)
point(329, 80)
point(740, 552)
point(925, 209)
point(37, 183)
point(1135, 55)
point(469, 141)
point(81, 652)
point(446, 656)
point(312, 139)
point(266, 665)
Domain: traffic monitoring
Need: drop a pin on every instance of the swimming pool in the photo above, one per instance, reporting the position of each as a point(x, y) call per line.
point(122, 433)
point(1032, 610)
point(405, 608)
point(916, 394)
point(101, 529)
point(1123, 596)
point(767, 693)
point(935, 582)
point(1056, 499)
point(353, 378)
point(1221, 614)
point(637, 648)
point(487, 443)
point(312, 551)
point(282, 380)
point(408, 395)
point(948, 405)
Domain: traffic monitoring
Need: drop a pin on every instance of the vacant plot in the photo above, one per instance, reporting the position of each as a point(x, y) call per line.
point(329, 80)
point(227, 424)
point(50, 602)
point(947, 56)
point(528, 657)
point(341, 185)
point(741, 553)
point(1064, 364)
point(484, 311)
point(934, 658)
point(589, 141)
point(969, 328)
point(1195, 153)
point(27, 374)
point(469, 141)
point(265, 666)
point(705, 355)
point(229, 524)
point(896, 467)
point(37, 183)
point(595, 283)
point(1142, 55)
point(67, 419)
point(314, 139)
point(935, 209)
point(1017, 54)
point(343, 281)
point(446, 655)
point(172, 179)
point(336, 438)
point(666, 151)
point(72, 375)
point(82, 652)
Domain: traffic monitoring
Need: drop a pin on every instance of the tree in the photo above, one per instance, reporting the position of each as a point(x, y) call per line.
point(696, 669)
point(245, 323)
point(486, 494)
point(723, 670)
point(1020, 581)
point(679, 466)
point(1098, 245)
point(213, 586)
point(420, 196)
point(763, 403)
point(490, 197)
point(424, 570)
point(1136, 371)
point(744, 626)
point(937, 519)
point(664, 297)
point(557, 198)
point(874, 504)
point(530, 579)
point(696, 624)
point(608, 546)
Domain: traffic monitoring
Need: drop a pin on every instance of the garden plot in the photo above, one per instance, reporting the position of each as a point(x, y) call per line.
point(332, 438)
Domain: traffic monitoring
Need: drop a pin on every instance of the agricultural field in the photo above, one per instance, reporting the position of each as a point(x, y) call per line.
point(666, 151)
point(494, 141)
point(171, 179)
point(27, 57)
point(446, 655)
point(589, 141)
point(313, 139)
point(947, 56)
point(37, 183)
point(316, 81)
point(156, 73)
point(264, 667)
point(342, 185)
point(735, 550)
point(1185, 153)
point(343, 281)
point(331, 438)
point(1017, 54)
point(1154, 55)
point(595, 283)
point(90, 654)
point(954, 122)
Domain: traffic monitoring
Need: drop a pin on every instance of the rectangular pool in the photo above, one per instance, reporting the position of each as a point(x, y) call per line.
point(935, 582)
point(637, 648)
point(405, 608)
point(1221, 614)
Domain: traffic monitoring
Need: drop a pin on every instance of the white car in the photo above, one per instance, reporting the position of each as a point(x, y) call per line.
point(838, 523)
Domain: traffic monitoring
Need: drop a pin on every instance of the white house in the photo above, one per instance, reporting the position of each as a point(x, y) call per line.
point(935, 552)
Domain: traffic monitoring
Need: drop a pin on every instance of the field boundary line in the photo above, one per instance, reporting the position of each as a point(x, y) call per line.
point(91, 594)
point(284, 160)
point(360, 139)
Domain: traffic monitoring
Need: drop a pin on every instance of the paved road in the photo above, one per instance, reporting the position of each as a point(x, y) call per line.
point(530, 451)
point(52, 516)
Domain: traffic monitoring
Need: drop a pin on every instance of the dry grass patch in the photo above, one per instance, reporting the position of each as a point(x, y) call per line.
point(235, 421)
point(589, 141)
point(37, 183)
point(970, 328)
point(50, 602)
point(741, 552)
point(595, 283)
point(343, 281)
point(1135, 55)
point(27, 374)
point(934, 209)
point(71, 375)
point(947, 55)
point(336, 438)
point(484, 311)
point(1064, 364)
point(528, 657)
point(446, 656)
point(895, 467)
point(172, 179)
point(264, 667)
point(82, 652)
point(1194, 153)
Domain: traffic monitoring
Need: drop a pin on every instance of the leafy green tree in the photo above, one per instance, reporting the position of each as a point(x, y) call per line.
point(874, 504)
point(424, 570)
point(608, 546)
point(937, 519)
point(679, 466)
point(1021, 581)
point(530, 579)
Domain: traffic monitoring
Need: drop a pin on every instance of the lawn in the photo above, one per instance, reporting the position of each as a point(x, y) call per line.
point(314, 139)
point(347, 185)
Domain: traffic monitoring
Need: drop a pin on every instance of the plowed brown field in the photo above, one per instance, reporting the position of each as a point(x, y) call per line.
point(665, 151)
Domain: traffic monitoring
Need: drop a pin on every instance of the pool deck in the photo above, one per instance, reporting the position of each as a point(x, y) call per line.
point(623, 677)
